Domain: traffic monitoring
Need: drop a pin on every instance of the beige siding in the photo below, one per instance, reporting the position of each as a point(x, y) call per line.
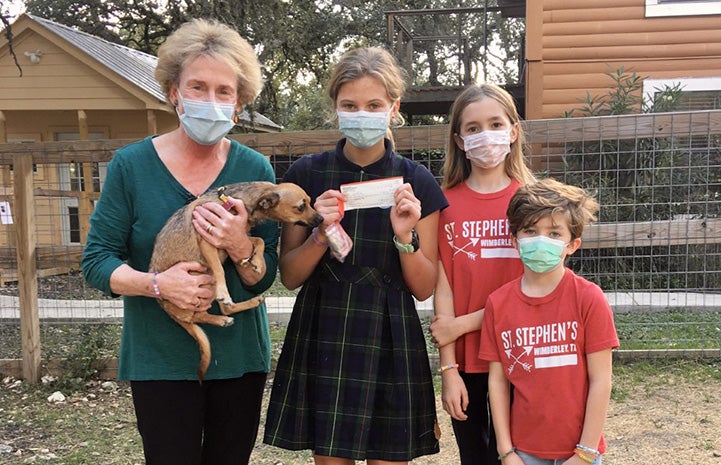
point(115, 125)
point(581, 41)
point(58, 81)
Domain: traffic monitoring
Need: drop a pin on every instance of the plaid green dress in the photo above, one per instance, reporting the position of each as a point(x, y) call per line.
point(353, 378)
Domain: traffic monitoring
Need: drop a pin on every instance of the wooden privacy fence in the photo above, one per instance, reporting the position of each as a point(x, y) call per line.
point(548, 140)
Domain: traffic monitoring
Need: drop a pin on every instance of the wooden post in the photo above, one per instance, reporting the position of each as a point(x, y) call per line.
point(152, 123)
point(3, 129)
point(85, 202)
point(27, 269)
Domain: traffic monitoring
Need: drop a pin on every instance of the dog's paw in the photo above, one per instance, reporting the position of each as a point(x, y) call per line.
point(228, 321)
point(224, 300)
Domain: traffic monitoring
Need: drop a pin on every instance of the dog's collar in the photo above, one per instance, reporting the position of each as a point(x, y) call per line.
point(227, 204)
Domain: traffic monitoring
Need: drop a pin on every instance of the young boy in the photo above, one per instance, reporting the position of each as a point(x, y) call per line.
point(550, 334)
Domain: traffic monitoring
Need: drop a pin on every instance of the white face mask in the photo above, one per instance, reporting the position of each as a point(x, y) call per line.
point(206, 122)
point(363, 129)
point(487, 149)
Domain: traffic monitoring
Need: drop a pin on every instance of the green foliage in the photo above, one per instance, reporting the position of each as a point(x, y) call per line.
point(622, 98)
point(85, 356)
point(647, 179)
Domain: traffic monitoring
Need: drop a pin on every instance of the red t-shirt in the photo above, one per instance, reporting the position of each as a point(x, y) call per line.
point(478, 257)
point(541, 343)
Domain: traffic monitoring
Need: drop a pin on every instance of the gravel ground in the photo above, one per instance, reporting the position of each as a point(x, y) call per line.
point(71, 286)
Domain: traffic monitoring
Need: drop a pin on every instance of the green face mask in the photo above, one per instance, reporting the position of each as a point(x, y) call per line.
point(540, 254)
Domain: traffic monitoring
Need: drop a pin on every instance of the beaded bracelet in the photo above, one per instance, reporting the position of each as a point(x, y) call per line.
point(587, 449)
point(317, 241)
point(156, 289)
point(503, 456)
point(447, 367)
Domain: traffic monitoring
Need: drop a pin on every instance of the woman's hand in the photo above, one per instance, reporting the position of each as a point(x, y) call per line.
point(405, 213)
point(187, 286)
point(223, 229)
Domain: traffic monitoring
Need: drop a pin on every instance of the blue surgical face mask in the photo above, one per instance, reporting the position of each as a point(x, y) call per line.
point(363, 129)
point(206, 122)
point(540, 254)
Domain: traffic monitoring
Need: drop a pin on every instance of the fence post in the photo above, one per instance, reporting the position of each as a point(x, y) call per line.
point(27, 267)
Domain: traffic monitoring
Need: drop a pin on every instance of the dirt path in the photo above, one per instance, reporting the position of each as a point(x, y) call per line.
point(667, 420)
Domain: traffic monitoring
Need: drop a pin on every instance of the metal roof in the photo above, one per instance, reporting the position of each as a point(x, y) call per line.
point(137, 67)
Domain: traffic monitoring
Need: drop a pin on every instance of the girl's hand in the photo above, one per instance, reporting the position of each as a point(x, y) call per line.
point(443, 330)
point(406, 212)
point(187, 286)
point(455, 395)
point(327, 206)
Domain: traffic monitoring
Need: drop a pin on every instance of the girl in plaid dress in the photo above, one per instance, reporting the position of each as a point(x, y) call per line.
point(353, 380)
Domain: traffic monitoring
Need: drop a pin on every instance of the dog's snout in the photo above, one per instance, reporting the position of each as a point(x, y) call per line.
point(313, 222)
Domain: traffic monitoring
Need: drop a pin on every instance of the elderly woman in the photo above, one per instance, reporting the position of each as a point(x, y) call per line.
point(208, 72)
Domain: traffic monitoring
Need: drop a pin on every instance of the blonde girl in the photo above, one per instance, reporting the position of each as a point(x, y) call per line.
point(484, 167)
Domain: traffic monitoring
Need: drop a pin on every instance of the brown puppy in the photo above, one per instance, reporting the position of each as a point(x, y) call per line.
point(178, 241)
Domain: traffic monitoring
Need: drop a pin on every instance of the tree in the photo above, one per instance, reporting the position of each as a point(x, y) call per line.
point(296, 40)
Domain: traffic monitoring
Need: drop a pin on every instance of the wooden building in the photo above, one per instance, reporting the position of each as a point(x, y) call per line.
point(570, 46)
point(68, 84)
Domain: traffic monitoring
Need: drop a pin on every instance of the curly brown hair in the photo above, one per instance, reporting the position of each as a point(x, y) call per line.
point(547, 197)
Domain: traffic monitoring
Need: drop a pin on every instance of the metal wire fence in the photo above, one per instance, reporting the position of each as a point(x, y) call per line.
point(656, 250)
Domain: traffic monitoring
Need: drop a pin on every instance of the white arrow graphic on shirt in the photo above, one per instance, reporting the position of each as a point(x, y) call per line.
point(516, 360)
point(471, 255)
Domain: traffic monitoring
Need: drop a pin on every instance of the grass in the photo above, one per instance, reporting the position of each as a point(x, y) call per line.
point(637, 331)
point(672, 329)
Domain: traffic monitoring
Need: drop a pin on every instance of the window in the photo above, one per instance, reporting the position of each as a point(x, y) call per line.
point(697, 93)
point(660, 8)
point(74, 225)
point(74, 176)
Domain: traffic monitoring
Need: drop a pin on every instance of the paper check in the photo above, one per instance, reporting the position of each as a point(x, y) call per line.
point(370, 194)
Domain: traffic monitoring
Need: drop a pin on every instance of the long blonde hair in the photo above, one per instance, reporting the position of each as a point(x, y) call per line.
point(456, 167)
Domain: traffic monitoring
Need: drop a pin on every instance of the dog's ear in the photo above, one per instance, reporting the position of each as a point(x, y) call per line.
point(268, 201)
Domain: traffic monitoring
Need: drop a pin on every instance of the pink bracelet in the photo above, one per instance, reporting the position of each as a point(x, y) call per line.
point(156, 289)
point(448, 367)
point(317, 241)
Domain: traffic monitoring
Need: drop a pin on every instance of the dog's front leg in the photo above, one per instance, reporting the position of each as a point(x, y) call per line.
point(212, 258)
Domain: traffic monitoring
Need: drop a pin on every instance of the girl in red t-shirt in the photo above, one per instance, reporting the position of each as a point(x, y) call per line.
point(483, 168)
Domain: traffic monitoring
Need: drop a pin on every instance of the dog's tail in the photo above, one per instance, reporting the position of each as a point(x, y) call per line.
point(203, 346)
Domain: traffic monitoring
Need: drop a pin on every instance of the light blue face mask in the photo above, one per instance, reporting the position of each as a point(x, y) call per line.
point(206, 122)
point(540, 254)
point(363, 129)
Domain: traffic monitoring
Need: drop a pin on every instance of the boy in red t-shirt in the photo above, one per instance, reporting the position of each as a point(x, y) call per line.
point(549, 334)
